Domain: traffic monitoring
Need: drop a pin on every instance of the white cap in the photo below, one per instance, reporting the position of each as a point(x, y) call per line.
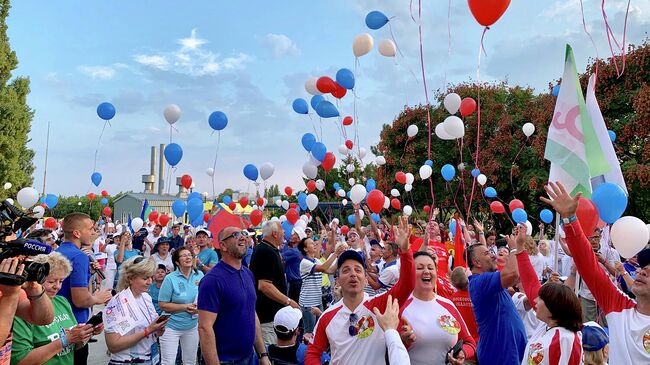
point(287, 317)
point(299, 231)
point(204, 231)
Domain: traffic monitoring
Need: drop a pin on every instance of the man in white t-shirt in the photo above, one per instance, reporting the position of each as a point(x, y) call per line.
point(111, 265)
point(526, 312)
point(151, 240)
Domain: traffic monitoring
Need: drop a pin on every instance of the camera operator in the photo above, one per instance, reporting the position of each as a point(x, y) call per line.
point(45, 236)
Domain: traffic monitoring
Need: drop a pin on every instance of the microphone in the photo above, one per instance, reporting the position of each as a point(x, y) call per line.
point(91, 258)
point(27, 247)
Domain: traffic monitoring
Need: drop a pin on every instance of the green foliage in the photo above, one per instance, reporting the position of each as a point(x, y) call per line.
point(228, 192)
point(70, 204)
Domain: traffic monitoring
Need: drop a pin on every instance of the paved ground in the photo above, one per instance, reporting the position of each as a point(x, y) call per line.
point(97, 350)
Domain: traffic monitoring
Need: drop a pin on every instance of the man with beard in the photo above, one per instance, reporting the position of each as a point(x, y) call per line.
point(228, 324)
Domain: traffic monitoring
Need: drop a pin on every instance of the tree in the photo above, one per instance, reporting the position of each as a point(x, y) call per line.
point(227, 192)
point(272, 191)
point(70, 204)
point(15, 117)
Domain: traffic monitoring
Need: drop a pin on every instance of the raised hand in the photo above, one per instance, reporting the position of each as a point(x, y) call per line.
point(402, 233)
point(560, 199)
point(479, 226)
point(390, 318)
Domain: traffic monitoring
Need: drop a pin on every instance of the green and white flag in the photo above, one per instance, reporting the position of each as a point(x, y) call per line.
point(572, 145)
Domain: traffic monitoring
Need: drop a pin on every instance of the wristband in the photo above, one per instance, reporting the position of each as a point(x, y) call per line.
point(64, 339)
point(288, 301)
point(263, 354)
point(37, 296)
point(146, 332)
point(570, 220)
point(515, 251)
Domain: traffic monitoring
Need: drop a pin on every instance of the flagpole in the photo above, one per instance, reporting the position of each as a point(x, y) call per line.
point(47, 147)
point(557, 242)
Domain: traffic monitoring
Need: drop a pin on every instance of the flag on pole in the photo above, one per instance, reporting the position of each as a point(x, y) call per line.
point(459, 246)
point(572, 146)
point(145, 206)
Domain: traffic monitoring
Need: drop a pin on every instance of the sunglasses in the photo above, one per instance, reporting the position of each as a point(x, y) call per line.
point(138, 260)
point(233, 235)
point(352, 330)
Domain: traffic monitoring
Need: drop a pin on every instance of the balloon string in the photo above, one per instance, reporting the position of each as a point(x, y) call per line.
point(392, 36)
point(610, 36)
point(448, 41)
point(462, 173)
point(512, 167)
point(313, 125)
point(99, 141)
point(584, 26)
point(214, 165)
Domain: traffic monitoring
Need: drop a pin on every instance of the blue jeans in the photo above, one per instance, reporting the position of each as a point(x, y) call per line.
point(308, 319)
point(247, 360)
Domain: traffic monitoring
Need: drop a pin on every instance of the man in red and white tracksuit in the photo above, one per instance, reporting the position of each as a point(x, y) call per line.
point(629, 320)
point(349, 328)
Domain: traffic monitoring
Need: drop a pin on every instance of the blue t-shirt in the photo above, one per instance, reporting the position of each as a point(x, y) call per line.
point(79, 277)
point(230, 293)
point(292, 258)
point(154, 291)
point(178, 289)
point(208, 257)
point(502, 333)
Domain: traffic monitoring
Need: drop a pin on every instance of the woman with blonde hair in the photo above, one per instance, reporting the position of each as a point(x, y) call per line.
point(536, 258)
point(132, 324)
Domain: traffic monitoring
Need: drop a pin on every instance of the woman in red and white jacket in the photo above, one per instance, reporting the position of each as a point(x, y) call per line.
point(436, 323)
point(559, 340)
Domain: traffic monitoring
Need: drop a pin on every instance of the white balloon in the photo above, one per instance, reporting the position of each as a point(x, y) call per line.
point(358, 193)
point(452, 102)
point(482, 179)
point(529, 129)
point(192, 185)
point(300, 223)
point(361, 214)
point(275, 219)
point(278, 202)
point(343, 149)
point(442, 133)
point(11, 201)
point(283, 218)
point(386, 202)
point(349, 168)
point(410, 178)
point(425, 172)
point(412, 130)
point(27, 197)
point(172, 113)
point(310, 86)
point(408, 187)
point(351, 181)
point(461, 166)
point(362, 153)
point(285, 204)
point(380, 160)
point(312, 201)
point(344, 202)
point(265, 202)
point(136, 224)
point(266, 170)
point(529, 228)
point(387, 48)
point(629, 235)
point(39, 211)
point(341, 193)
point(407, 210)
point(210, 171)
point(304, 218)
point(362, 44)
point(313, 160)
point(454, 126)
point(7, 186)
point(320, 184)
point(205, 194)
point(255, 207)
point(394, 192)
point(310, 170)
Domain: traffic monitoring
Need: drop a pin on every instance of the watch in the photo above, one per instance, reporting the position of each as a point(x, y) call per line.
point(570, 220)
point(263, 354)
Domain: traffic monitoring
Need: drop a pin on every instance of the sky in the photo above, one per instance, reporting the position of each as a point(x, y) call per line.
point(251, 60)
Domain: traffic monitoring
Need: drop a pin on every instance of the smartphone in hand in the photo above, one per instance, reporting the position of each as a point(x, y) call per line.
point(162, 318)
point(96, 319)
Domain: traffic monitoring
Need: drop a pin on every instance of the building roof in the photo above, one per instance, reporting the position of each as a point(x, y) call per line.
point(142, 196)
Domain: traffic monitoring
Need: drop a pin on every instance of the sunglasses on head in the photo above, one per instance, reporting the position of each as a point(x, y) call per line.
point(138, 260)
point(352, 330)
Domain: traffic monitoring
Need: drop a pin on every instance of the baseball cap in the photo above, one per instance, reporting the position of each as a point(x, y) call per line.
point(375, 242)
point(162, 240)
point(350, 255)
point(287, 317)
point(299, 231)
point(643, 257)
point(594, 337)
point(202, 230)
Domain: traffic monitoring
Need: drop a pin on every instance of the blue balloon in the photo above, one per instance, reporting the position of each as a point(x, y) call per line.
point(287, 227)
point(452, 226)
point(347, 194)
point(519, 216)
point(250, 171)
point(351, 219)
point(490, 192)
point(345, 78)
point(546, 216)
point(375, 217)
point(300, 106)
point(556, 90)
point(376, 19)
point(326, 109)
point(315, 100)
point(448, 172)
point(51, 200)
point(226, 199)
point(197, 221)
point(611, 201)
point(106, 110)
point(302, 200)
point(194, 195)
point(218, 120)
point(337, 186)
point(195, 208)
point(179, 207)
point(104, 201)
point(612, 135)
point(428, 162)
point(371, 185)
point(308, 141)
point(476, 172)
point(96, 178)
point(318, 150)
point(42, 200)
point(173, 154)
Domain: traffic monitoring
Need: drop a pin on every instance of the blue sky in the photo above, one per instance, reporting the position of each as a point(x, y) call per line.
point(250, 60)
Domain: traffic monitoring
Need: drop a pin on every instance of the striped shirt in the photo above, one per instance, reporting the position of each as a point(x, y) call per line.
point(310, 292)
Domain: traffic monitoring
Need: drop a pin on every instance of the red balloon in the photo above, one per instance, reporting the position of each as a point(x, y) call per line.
point(400, 177)
point(347, 120)
point(487, 12)
point(44, 206)
point(395, 203)
point(256, 217)
point(427, 209)
point(153, 215)
point(514, 204)
point(326, 85)
point(164, 219)
point(91, 196)
point(206, 217)
point(349, 144)
point(260, 202)
point(339, 92)
point(311, 186)
point(104, 193)
point(232, 206)
point(186, 181)
point(467, 107)
point(107, 211)
point(375, 200)
point(587, 214)
point(243, 201)
point(328, 161)
point(293, 206)
point(288, 190)
point(345, 229)
point(292, 216)
point(497, 208)
point(50, 223)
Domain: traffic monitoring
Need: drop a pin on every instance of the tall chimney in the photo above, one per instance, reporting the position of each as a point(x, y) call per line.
point(150, 180)
point(161, 170)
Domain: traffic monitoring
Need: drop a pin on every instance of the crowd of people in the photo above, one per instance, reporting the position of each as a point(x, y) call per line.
point(402, 293)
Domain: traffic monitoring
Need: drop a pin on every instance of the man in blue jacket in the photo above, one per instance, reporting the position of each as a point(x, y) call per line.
point(292, 257)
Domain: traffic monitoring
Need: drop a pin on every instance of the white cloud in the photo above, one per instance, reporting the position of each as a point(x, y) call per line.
point(192, 42)
point(281, 45)
point(98, 72)
point(155, 61)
